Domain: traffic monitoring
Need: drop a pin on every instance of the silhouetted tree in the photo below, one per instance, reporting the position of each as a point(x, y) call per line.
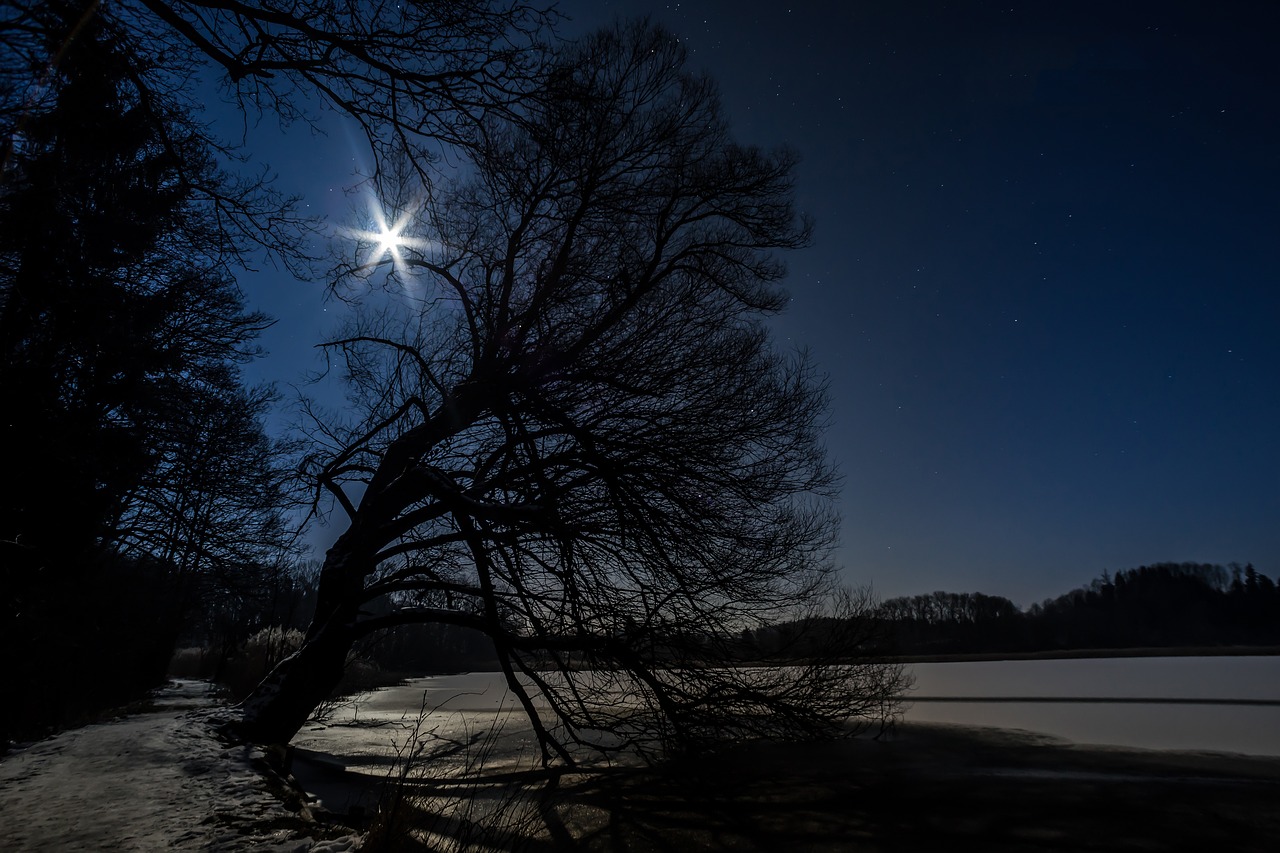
point(575, 437)
point(410, 74)
point(120, 329)
point(1161, 605)
point(121, 232)
point(214, 500)
point(116, 311)
point(945, 623)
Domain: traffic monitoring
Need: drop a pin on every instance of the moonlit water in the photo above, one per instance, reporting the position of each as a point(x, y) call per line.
point(458, 708)
point(1250, 729)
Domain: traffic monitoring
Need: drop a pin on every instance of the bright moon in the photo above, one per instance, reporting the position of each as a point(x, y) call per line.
point(387, 241)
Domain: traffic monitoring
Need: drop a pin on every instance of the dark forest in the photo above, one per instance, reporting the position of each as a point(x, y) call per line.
point(1164, 605)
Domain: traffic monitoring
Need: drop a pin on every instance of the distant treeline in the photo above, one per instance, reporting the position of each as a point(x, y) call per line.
point(1161, 605)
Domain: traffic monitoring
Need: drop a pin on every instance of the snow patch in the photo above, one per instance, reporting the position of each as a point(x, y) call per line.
point(159, 780)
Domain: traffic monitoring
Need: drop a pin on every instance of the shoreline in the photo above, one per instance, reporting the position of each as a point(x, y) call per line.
point(957, 657)
point(163, 779)
point(1078, 654)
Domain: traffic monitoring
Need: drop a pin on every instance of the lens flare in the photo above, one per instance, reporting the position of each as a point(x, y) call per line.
point(387, 241)
point(390, 239)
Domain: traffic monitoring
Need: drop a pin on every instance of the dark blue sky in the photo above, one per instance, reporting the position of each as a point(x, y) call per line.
point(1044, 284)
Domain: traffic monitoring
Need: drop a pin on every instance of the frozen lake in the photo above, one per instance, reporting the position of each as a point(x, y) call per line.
point(1200, 703)
point(1220, 704)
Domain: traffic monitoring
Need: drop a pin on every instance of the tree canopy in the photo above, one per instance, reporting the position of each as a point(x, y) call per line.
point(574, 432)
point(121, 332)
point(118, 310)
point(569, 429)
point(1167, 605)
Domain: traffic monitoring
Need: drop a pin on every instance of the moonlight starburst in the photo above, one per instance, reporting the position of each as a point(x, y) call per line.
point(387, 241)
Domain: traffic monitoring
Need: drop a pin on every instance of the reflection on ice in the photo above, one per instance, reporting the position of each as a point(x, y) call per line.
point(476, 708)
point(1249, 729)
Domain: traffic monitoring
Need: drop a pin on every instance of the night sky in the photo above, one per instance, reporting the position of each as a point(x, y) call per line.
point(1044, 283)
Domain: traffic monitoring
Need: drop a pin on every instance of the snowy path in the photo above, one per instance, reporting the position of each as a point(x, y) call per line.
point(154, 781)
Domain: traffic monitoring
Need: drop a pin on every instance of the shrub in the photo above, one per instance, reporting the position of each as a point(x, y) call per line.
point(260, 653)
point(191, 662)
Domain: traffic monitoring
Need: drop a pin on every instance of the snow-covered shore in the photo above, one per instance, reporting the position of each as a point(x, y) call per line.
point(164, 780)
point(155, 780)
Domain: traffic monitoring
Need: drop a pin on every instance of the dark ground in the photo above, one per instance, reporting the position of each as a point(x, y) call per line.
point(935, 789)
point(928, 788)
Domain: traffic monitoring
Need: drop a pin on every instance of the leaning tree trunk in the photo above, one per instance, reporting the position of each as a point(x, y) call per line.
point(280, 705)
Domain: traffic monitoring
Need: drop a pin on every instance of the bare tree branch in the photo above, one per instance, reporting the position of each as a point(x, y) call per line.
point(588, 424)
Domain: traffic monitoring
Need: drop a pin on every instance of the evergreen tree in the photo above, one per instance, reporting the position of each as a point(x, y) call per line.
point(120, 333)
point(116, 312)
